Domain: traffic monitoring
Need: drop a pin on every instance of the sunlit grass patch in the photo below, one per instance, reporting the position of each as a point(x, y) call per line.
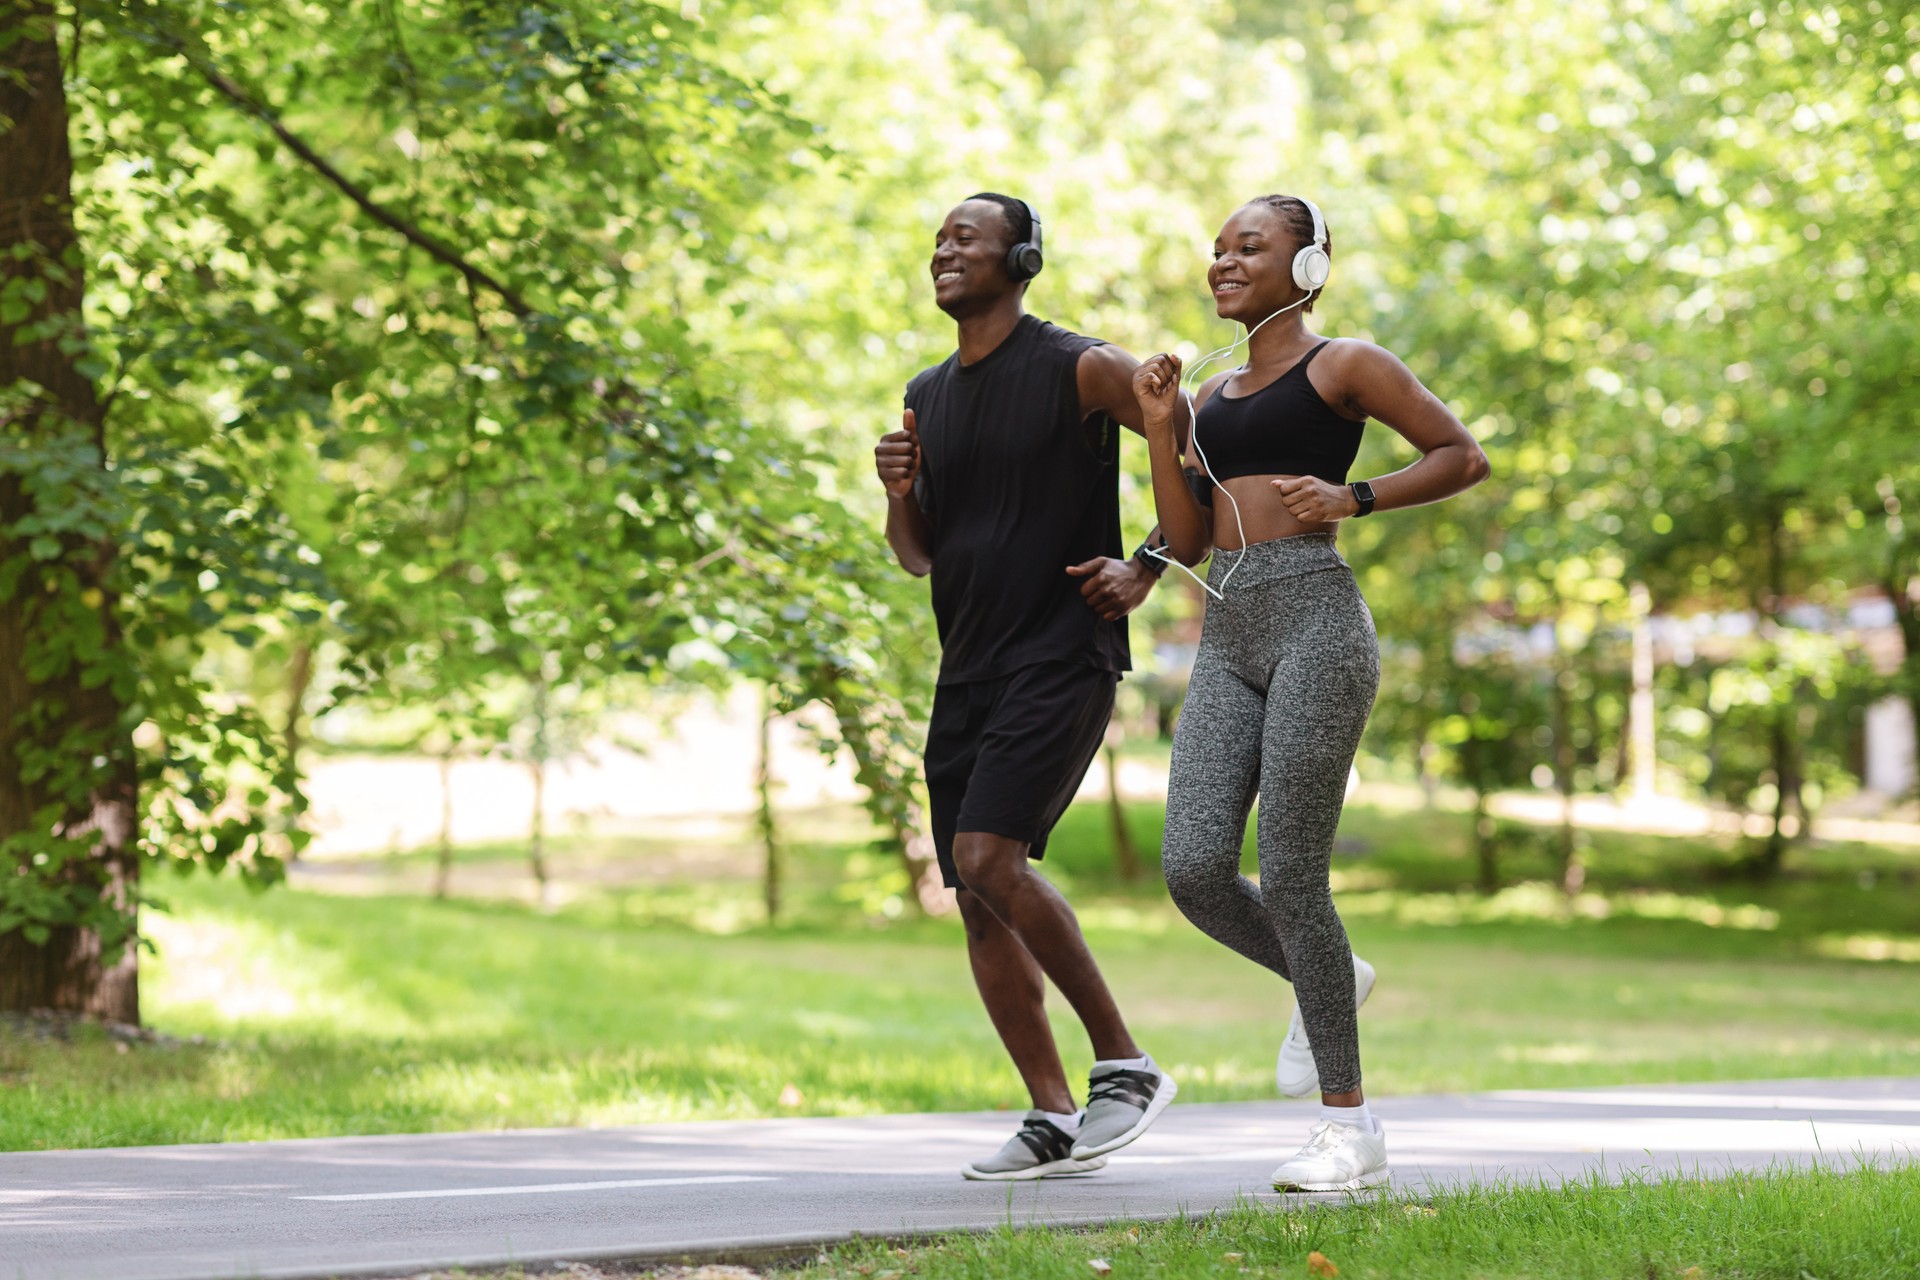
point(393, 1012)
point(1867, 946)
point(1538, 900)
point(1840, 1221)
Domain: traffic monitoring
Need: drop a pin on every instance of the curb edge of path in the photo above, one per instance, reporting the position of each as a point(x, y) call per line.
point(745, 1251)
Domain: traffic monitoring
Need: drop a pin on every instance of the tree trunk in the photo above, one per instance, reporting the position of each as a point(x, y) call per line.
point(1780, 736)
point(1773, 854)
point(537, 835)
point(299, 679)
point(1486, 852)
point(443, 868)
point(1126, 854)
point(1641, 740)
point(889, 801)
point(52, 586)
point(537, 763)
point(763, 789)
point(1899, 585)
point(1572, 874)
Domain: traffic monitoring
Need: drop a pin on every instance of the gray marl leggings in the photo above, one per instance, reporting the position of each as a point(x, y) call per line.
point(1286, 674)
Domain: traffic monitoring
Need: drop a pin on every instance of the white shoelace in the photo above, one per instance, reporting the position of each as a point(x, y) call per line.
point(1321, 1139)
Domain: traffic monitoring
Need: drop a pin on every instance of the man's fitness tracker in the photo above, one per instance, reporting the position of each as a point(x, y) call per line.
point(1362, 494)
point(1152, 563)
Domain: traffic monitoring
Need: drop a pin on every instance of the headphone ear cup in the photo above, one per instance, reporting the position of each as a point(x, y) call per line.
point(1311, 267)
point(1024, 261)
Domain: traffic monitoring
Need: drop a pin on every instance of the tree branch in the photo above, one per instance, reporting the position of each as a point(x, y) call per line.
point(435, 248)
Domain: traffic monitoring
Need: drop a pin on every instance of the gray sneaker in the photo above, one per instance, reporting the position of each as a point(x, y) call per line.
point(1121, 1103)
point(1040, 1150)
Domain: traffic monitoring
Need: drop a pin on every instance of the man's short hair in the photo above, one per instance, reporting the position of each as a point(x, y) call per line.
point(1019, 217)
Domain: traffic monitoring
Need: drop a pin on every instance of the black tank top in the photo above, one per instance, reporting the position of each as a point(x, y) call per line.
point(1015, 488)
point(1283, 429)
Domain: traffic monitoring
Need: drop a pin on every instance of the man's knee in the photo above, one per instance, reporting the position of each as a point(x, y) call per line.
point(990, 866)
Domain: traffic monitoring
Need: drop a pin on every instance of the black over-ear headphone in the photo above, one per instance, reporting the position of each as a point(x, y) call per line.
point(1025, 259)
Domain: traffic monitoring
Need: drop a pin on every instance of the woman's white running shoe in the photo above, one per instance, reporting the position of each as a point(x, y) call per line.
point(1337, 1157)
point(1295, 1072)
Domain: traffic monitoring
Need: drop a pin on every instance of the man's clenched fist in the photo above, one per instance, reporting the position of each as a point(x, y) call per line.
point(897, 457)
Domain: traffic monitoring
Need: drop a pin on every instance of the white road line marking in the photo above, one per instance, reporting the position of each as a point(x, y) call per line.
point(539, 1187)
point(1788, 1102)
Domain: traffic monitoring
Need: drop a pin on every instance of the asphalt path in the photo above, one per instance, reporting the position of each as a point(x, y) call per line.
point(397, 1204)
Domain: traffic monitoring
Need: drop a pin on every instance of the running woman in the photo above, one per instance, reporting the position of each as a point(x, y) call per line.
point(1003, 484)
point(1288, 664)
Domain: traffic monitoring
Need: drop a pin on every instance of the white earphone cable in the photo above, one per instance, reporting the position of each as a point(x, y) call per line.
point(1193, 438)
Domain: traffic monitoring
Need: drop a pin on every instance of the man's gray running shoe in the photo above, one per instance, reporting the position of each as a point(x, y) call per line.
point(1121, 1103)
point(1040, 1150)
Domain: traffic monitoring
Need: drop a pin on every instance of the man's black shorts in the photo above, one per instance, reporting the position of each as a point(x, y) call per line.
point(1005, 756)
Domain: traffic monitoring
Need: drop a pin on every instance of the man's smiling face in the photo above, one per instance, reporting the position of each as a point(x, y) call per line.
point(969, 264)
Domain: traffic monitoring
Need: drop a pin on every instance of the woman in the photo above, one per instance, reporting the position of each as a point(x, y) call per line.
point(1288, 663)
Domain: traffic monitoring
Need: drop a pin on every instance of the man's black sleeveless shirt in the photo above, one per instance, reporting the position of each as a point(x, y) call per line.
point(1015, 488)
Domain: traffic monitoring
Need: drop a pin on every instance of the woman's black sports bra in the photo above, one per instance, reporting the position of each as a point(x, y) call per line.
point(1283, 429)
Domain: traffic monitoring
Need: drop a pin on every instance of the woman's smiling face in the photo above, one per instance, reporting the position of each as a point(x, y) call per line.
point(1252, 271)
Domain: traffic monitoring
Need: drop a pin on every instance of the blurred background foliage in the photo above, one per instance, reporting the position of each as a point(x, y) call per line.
point(454, 353)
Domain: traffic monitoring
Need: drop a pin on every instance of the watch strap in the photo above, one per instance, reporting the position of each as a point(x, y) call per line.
point(1154, 564)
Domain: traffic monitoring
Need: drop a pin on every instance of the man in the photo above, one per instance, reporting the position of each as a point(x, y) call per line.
point(1003, 484)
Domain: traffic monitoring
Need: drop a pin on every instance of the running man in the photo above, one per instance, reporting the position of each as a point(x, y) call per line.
point(1003, 484)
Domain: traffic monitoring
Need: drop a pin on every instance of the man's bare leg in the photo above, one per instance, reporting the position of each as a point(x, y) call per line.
point(1014, 991)
point(1039, 921)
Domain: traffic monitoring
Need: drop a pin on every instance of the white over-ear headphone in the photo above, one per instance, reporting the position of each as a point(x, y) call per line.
point(1312, 265)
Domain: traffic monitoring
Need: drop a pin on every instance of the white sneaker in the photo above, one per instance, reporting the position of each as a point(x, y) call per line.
point(1337, 1157)
point(1295, 1072)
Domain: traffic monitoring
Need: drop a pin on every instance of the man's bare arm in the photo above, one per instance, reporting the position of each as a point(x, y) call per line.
point(897, 460)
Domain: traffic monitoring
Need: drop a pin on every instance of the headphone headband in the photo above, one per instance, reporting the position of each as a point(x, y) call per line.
point(1319, 223)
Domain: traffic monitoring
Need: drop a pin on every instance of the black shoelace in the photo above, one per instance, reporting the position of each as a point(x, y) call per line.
point(1045, 1139)
point(1136, 1088)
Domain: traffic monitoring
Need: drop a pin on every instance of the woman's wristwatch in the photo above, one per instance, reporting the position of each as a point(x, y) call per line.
point(1362, 494)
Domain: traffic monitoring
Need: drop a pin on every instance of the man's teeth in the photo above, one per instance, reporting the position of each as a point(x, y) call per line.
point(948, 275)
point(1229, 284)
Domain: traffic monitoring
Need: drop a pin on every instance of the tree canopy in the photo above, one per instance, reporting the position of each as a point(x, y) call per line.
point(469, 343)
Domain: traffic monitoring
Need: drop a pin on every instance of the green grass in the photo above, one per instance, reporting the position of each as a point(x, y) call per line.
point(650, 998)
point(1860, 1224)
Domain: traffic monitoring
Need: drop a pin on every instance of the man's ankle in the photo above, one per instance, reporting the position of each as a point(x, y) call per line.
point(1133, 1057)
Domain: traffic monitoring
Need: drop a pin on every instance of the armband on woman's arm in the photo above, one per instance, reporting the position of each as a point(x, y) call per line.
point(1201, 484)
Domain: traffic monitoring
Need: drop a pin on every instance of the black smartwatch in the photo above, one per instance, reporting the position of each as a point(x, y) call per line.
point(1154, 564)
point(1362, 494)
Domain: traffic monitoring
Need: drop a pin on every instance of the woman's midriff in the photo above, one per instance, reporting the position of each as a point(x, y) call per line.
point(1262, 512)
